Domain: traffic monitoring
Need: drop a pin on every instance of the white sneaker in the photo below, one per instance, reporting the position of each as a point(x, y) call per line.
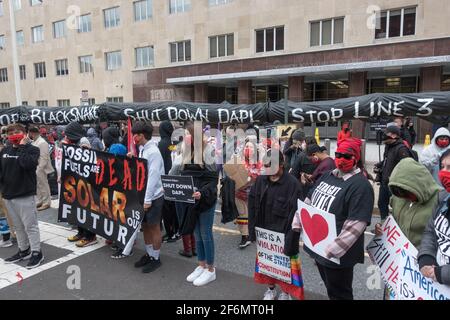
point(205, 278)
point(194, 275)
point(284, 296)
point(5, 244)
point(270, 294)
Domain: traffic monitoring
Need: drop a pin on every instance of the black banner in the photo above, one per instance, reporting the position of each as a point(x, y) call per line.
point(178, 188)
point(102, 192)
point(431, 106)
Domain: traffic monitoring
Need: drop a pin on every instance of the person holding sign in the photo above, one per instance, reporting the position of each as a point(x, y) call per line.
point(346, 193)
point(434, 252)
point(272, 203)
point(154, 196)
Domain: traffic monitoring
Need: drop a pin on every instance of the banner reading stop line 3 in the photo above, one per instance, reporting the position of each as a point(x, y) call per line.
point(102, 193)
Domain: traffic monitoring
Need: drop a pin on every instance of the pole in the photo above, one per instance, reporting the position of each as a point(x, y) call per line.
point(12, 26)
point(286, 117)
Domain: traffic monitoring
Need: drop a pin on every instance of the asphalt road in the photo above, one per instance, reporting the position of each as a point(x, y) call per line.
point(105, 278)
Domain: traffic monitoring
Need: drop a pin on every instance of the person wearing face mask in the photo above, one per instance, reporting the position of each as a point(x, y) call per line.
point(431, 154)
point(272, 202)
point(434, 251)
point(345, 132)
point(320, 157)
point(414, 196)
point(292, 148)
point(154, 196)
point(395, 150)
point(346, 193)
point(18, 163)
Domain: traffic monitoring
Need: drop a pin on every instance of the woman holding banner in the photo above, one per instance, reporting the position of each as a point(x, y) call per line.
point(434, 253)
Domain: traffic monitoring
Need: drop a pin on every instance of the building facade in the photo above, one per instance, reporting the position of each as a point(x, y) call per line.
point(239, 51)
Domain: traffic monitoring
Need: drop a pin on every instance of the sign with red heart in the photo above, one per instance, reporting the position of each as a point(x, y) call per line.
point(319, 229)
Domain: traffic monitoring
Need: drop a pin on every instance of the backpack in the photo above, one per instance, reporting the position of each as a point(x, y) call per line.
point(229, 209)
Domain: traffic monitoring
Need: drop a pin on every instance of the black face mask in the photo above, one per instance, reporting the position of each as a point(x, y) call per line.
point(385, 137)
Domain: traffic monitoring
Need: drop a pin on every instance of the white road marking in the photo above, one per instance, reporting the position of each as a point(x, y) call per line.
point(53, 235)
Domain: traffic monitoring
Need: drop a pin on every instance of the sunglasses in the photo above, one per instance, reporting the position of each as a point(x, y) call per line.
point(343, 155)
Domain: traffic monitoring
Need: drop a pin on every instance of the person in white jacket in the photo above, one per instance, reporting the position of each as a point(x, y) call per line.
point(431, 154)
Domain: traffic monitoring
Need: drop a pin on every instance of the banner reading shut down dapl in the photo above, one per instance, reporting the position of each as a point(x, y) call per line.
point(102, 192)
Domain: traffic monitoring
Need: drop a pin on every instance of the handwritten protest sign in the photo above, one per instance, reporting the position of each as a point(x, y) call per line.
point(102, 192)
point(271, 260)
point(385, 251)
point(319, 229)
point(412, 285)
point(178, 188)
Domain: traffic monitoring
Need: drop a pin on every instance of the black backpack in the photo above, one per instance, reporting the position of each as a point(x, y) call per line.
point(229, 209)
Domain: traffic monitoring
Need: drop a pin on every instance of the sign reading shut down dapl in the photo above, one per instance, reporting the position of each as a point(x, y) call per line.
point(102, 192)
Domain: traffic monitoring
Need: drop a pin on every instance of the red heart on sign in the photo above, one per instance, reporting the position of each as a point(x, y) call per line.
point(316, 227)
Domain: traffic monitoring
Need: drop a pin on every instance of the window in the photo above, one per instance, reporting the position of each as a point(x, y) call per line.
point(2, 41)
point(177, 6)
point(37, 34)
point(59, 29)
point(22, 71)
point(24, 103)
point(142, 10)
point(396, 23)
point(217, 2)
point(270, 39)
point(85, 64)
point(326, 32)
point(114, 99)
point(39, 70)
point(112, 17)
point(35, 2)
point(393, 85)
point(180, 51)
point(20, 38)
point(17, 5)
point(63, 103)
point(144, 57)
point(113, 60)
point(42, 103)
point(62, 67)
point(221, 46)
point(4, 105)
point(4, 75)
point(445, 86)
point(1, 8)
point(84, 23)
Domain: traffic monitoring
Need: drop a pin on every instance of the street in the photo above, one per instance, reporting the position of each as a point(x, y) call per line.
point(104, 278)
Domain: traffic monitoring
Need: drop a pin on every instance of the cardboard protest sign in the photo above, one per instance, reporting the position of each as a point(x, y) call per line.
point(102, 192)
point(412, 285)
point(178, 188)
point(385, 251)
point(235, 169)
point(319, 229)
point(271, 260)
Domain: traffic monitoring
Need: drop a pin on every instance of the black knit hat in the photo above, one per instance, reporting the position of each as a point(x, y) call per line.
point(393, 129)
point(74, 131)
point(298, 135)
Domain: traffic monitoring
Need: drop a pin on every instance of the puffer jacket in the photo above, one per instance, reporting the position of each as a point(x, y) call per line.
point(435, 245)
point(431, 154)
point(412, 217)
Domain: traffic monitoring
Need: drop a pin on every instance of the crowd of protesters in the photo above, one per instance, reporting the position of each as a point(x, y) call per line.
point(414, 189)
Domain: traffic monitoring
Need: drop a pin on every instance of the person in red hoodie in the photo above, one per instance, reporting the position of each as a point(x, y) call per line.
point(345, 132)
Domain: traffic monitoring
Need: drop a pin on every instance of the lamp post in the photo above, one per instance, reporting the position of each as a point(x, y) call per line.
point(12, 25)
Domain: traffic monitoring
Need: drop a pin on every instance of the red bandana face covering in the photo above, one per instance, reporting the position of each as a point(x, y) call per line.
point(344, 165)
point(16, 138)
point(442, 142)
point(135, 139)
point(444, 177)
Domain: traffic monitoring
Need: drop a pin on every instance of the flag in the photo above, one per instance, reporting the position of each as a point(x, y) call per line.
point(131, 145)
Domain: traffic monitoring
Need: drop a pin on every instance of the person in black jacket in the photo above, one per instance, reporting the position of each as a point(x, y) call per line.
point(272, 203)
point(18, 163)
point(395, 150)
point(293, 148)
point(169, 213)
point(404, 131)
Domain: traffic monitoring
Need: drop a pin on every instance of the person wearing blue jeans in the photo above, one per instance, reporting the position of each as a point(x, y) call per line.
point(204, 238)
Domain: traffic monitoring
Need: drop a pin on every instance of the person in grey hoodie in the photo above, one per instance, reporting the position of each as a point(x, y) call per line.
point(431, 154)
point(96, 143)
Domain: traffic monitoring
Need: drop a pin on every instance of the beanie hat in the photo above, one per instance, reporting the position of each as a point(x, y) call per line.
point(74, 131)
point(118, 149)
point(392, 128)
point(298, 135)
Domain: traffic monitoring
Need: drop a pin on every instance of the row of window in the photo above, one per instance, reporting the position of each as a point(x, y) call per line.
point(389, 24)
point(63, 102)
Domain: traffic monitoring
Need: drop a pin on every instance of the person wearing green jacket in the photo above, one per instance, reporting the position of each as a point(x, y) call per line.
point(415, 194)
